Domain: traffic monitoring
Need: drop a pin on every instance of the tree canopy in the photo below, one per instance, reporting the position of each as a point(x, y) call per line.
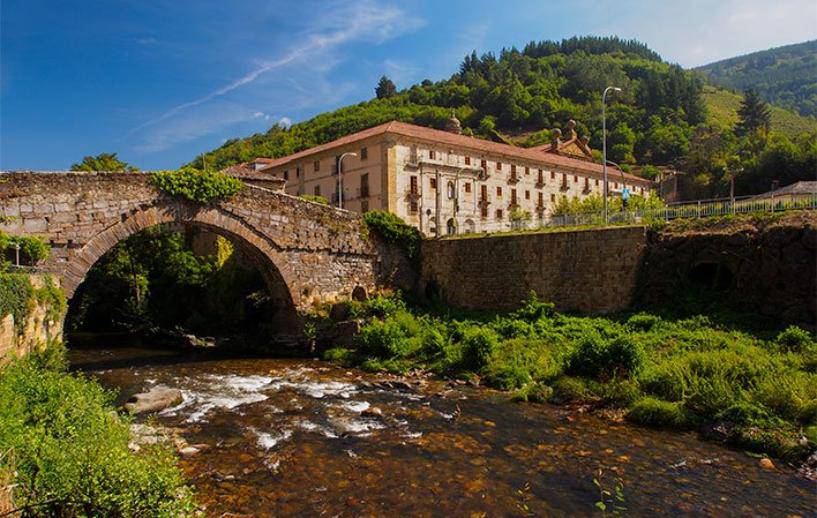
point(103, 162)
point(385, 88)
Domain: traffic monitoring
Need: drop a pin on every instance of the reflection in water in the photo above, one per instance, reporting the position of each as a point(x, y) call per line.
point(284, 437)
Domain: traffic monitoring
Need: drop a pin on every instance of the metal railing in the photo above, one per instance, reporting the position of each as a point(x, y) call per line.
point(694, 209)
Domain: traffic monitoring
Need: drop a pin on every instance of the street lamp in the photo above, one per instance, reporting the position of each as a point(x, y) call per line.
point(340, 177)
point(604, 141)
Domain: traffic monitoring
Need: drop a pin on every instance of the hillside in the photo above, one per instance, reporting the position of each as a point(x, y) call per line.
point(785, 76)
point(722, 110)
point(528, 91)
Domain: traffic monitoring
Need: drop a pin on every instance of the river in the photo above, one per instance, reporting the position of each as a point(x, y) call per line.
point(282, 437)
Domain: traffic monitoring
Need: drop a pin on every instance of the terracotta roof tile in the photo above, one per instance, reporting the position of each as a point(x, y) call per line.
point(444, 137)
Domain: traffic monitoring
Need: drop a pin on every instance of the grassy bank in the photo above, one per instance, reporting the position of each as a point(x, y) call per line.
point(759, 394)
point(65, 449)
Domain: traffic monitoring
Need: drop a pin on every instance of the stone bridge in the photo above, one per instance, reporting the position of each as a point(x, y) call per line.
point(307, 253)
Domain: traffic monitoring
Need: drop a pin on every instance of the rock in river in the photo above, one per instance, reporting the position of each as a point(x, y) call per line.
point(157, 398)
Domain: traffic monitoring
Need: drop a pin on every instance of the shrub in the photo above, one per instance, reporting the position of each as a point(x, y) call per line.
point(532, 309)
point(517, 362)
point(620, 392)
point(788, 394)
point(197, 186)
point(380, 306)
point(33, 249)
point(656, 413)
point(69, 451)
point(534, 393)
point(643, 322)
point(391, 337)
point(315, 198)
point(340, 355)
point(478, 345)
point(392, 229)
point(796, 340)
point(16, 297)
point(512, 328)
point(570, 390)
point(743, 413)
point(599, 358)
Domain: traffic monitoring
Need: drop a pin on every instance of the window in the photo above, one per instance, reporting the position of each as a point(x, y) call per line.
point(513, 169)
point(553, 175)
point(414, 192)
point(483, 191)
point(433, 183)
point(317, 190)
point(468, 160)
point(527, 171)
point(468, 187)
point(499, 191)
point(364, 185)
point(413, 185)
point(483, 164)
point(597, 182)
point(541, 179)
point(364, 153)
point(286, 175)
point(527, 195)
point(615, 185)
point(364, 206)
point(432, 154)
point(452, 191)
point(316, 166)
point(499, 166)
point(498, 213)
point(553, 197)
point(540, 202)
point(298, 172)
point(575, 179)
point(483, 212)
point(513, 196)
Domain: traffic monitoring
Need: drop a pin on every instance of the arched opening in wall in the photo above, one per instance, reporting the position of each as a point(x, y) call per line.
point(451, 227)
point(176, 282)
point(712, 275)
point(359, 294)
point(470, 227)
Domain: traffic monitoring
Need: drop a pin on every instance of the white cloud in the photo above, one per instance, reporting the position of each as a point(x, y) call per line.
point(340, 22)
point(285, 122)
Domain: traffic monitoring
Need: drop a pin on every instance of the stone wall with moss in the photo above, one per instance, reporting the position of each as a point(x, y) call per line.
point(32, 308)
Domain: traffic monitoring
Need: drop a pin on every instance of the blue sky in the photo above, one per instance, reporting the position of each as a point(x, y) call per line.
point(161, 81)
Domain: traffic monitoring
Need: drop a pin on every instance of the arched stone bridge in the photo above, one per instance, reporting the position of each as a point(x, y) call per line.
point(306, 252)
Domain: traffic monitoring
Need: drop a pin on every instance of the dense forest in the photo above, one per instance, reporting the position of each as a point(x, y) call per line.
point(659, 118)
point(785, 76)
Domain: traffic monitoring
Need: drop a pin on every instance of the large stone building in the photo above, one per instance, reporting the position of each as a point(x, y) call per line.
point(444, 182)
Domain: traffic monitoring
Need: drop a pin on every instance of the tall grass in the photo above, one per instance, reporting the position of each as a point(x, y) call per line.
point(666, 372)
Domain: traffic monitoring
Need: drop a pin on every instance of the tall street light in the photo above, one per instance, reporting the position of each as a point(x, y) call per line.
point(340, 177)
point(604, 141)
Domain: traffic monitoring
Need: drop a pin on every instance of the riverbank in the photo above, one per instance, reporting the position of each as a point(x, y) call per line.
point(64, 449)
point(754, 390)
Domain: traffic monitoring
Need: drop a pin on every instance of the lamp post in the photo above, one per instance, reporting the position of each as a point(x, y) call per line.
point(340, 177)
point(604, 141)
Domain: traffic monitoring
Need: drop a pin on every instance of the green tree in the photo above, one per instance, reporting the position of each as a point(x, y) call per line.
point(385, 88)
point(103, 162)
point(753, 115)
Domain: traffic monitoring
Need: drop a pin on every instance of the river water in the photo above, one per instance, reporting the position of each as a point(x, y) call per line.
point(304, 437)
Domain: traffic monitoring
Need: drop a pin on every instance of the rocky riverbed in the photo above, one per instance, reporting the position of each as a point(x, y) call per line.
point(261, 437)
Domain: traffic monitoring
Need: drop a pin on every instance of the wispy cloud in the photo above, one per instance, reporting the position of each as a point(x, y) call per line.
point(341, 22)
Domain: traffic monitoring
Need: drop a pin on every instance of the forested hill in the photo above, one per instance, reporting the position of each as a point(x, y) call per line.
point(785, 76)
point(660, 118)
point(524, 92)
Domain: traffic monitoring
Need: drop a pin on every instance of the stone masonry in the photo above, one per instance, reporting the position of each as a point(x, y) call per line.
point(592, 271)
point(307, 252)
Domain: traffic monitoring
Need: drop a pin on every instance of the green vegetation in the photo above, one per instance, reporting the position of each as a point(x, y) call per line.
point(317, 198)
point(108, 162)
point(153, 280)
point(666, 371)
point(66, 450)
point(197, 186)
point(783, 75)
point(18, 297)
point(392, 229)
point(722, 112)
point(33, 249)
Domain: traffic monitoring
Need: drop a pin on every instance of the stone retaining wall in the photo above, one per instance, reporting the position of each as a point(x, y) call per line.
point(37, 330)
point(593, 271)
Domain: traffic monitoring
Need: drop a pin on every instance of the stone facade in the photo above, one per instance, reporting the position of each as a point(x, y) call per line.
point(307, 252)
point(441, 182)
point(591, 271)
point(36, 332)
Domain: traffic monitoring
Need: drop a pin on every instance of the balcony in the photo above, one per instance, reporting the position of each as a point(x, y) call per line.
point(484, 202)
point(513, 178)
point(564, 186)
point(364, 191)
point(540, 183)
point(412, 195)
